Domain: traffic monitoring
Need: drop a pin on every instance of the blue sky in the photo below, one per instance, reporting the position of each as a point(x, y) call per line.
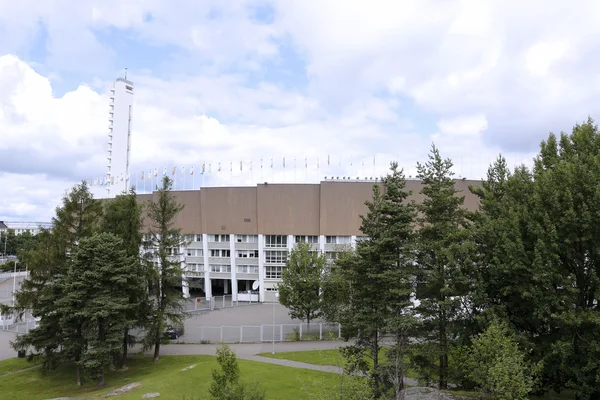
point(245, 80)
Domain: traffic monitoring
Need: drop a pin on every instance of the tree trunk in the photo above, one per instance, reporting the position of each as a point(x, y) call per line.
point(125, 348)
point(376, 365)
point(156, 350)
point(78, 374)
point(443, 370)
point(100, 383)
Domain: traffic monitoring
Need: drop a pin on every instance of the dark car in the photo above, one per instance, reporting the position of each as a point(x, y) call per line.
point(174, 332)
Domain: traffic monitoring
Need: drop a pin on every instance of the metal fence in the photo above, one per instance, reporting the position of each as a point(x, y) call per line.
point(217, 303)
point(6, 275)
point(263, 333)
point(18, 325)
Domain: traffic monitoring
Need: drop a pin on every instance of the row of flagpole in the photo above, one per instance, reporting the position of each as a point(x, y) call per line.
point(207, 167)
point(153, 175)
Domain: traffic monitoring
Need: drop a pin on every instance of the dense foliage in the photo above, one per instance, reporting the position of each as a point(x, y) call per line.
point(301, 283)
point(89, 285)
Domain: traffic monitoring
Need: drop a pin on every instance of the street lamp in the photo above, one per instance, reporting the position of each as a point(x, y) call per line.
point(276, 297)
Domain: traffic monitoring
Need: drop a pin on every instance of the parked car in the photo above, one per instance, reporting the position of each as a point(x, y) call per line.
point(174, 332)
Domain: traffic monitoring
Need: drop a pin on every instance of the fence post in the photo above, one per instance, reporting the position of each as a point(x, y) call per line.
point(301, 331)
point(339, 330)
point(202, 333)
point(281, 333)
point(320, 331)
point(241, 333)
point(221, 334)
point(261, 334)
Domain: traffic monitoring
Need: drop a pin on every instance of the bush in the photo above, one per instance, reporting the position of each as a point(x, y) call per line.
point(226, 383)
point(497, 366)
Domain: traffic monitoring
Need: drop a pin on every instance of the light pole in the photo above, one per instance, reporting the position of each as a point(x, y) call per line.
point(276, 297)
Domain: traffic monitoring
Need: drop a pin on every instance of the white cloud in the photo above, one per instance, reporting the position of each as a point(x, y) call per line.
point(385, 79)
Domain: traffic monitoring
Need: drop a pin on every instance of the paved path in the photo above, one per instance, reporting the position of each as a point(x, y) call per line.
point(249, 352)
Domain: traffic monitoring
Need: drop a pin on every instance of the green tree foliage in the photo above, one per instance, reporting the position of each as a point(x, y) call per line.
point(497, 366)
point(301, 283)
point(226, 383)
point(369, 291)
point(59, 336)
point(123, 218)
point(97, 286)
point(538, 239)
point(443, 256)
point(15, 244)
point(164, 241)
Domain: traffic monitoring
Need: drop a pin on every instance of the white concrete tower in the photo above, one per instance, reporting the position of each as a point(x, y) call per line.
point(119, 136)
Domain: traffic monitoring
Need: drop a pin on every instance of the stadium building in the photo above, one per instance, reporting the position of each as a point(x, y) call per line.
point(240, 237)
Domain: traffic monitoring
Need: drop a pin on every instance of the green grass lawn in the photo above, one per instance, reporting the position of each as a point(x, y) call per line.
point(14, 364)
point(315, 357)
point(164, 377)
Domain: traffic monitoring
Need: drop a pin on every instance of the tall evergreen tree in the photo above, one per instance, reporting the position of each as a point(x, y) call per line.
point(59, 337)
point(96, 292)
point(165, 242)
point(372, 287)
point(123, 218)
point(444, 248)
point(301, 283)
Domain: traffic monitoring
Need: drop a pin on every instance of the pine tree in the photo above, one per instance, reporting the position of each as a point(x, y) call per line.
point(301, 283)
point(122, 217)
point(369, 291)
point(443, 254)
point(166, 300)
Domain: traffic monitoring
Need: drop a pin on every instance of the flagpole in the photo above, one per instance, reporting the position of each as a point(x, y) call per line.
point(193, 179)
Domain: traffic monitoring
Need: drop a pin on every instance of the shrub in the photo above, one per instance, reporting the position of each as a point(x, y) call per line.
point(497, 366)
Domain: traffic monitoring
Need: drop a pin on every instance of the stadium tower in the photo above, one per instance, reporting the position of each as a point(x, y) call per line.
point(119, 136)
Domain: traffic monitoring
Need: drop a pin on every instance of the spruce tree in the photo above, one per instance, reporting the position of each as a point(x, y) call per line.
point(122, 217)
point(59, 336)
point(443, 255)
point(97, 292)
point(165, 241)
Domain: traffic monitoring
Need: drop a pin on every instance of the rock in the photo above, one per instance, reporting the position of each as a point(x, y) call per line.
point(425, 393)
point(65, 398)
point(150, 395)
point(186, 368)
point(123, 389)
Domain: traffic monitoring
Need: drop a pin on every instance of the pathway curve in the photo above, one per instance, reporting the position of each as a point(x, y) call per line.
point(249, 352)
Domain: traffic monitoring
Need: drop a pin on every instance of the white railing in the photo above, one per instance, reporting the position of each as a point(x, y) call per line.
point(263, 333)
point(6, 275)
point(221, 302)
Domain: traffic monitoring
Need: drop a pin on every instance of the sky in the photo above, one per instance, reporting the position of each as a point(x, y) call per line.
point(336, 88)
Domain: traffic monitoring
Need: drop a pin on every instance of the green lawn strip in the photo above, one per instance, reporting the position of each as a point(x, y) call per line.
point(163, 377)
point(331, 357)
point(14, 364)
point(316, 357)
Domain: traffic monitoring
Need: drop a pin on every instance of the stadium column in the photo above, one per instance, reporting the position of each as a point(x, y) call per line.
point(261, 267)
point(207, 282)
point(185, 287)
point(234, 288)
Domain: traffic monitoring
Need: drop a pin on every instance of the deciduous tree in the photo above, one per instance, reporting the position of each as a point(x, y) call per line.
point(301, 283)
